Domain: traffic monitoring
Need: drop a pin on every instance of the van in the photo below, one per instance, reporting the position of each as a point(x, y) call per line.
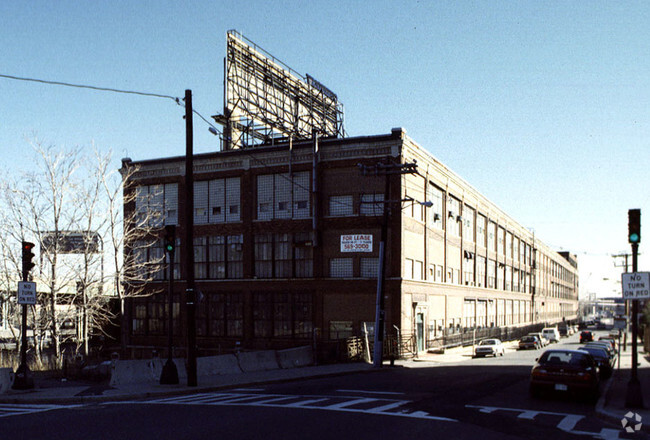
point(551, 333)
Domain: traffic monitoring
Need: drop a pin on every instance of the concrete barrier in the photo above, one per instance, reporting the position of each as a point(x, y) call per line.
point(130, 371)
point(296, 357)
point(6, 379)
point(258, 360)
point(217, 365)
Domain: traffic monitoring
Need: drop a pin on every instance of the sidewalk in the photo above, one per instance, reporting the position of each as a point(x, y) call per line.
point(77, 392)
point(611, 404)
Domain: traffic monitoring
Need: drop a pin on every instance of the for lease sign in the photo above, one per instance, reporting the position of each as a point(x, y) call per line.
point(356, 243)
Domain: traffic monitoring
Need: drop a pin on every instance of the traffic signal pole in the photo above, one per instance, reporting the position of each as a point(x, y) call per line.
point(23, 379)
point(169, 374)
point(634, 396)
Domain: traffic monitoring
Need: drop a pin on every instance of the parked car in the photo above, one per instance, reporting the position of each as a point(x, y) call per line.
point(530, 342)
point(604, 362)
point(609, 339)
point(551, 333)
point(541, 337)
point(489, 347)
point(586, 336)
point(573, 371)
point(603, 344)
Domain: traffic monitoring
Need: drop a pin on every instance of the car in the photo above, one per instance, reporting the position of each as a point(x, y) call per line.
point(609, 339)
point(542, 339)
point(530, 341)
point(551, 333)
point(586, 336)
point(489, 347)
point(566, 371)
point(603, 344)
point(604, 362)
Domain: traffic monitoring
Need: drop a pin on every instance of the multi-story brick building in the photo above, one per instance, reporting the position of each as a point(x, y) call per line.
point(287, 247)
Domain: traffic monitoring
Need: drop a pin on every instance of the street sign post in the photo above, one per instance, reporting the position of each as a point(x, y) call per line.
point(636, 285)
point(26, 292)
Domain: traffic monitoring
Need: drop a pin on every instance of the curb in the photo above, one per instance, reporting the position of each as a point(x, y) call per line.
point(81, 400)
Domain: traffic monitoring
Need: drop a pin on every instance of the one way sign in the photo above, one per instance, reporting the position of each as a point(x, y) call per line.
point(636, 285)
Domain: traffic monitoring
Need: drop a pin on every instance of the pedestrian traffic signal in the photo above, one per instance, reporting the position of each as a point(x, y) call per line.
point(170, 238)
point(28, 255)
point(634, 225)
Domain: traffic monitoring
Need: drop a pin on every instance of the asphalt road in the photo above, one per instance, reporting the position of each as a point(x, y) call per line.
point(483, 399)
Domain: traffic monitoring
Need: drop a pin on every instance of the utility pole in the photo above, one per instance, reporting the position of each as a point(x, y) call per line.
point(190, 294)
point(385, 169)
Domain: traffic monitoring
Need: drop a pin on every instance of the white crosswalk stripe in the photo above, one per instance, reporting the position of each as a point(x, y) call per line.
point(7, 409)
point(369, 405)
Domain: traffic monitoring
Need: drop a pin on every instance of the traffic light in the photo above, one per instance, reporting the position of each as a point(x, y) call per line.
point(170, 238)
point(634, 225)
point(28, 255)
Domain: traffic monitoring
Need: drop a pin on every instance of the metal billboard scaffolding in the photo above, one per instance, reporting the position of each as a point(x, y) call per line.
point(265, 101)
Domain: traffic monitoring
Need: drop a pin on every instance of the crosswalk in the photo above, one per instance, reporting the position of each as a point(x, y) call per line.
point(563, 421)
point(357, 404)
point(7, 410)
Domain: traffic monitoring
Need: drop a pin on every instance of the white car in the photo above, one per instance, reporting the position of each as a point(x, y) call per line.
point(489, 347)
point(551, 333)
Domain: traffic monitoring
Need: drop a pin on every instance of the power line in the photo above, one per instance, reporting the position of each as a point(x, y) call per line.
point(85, 86)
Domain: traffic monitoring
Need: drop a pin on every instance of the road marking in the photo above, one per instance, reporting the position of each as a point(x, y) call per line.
point(19, 409)
point(370, 392)
point(369, 405)
point(567, 424)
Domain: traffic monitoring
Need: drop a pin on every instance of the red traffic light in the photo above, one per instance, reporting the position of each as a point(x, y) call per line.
point(27, 257)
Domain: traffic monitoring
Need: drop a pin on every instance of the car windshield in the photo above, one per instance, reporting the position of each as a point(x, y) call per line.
point(528, 339)
point(488, 342)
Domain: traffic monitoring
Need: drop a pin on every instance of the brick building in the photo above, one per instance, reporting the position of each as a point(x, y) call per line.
point(286, 246)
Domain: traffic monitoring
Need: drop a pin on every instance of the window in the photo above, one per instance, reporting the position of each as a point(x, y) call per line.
point(224, 314)
point(283, 255)
point(283, 196)
point(341, 206)
point(418, 268)
point(280, 314)
point(508, 245)
point(468, 224)
point(501, 238)
point(453, 216)
point(372, 204)
point(369, 267)
point(156, 205)
point(340, 329)
point(480, 271)
point(492, 236)
point(408, 269)
point(468, 268)
point(218, 257)
point(480, 230)
point(217, 201)
point(149, 262)
point(341, 267)
point(491, 274)
point(435, 196)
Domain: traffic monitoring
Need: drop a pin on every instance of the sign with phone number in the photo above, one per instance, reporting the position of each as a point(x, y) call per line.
point(356, 243)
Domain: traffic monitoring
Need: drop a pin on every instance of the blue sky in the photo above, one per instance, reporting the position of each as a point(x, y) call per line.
point(544, 107)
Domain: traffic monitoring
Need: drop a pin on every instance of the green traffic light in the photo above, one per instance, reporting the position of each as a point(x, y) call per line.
point(634, 238)
point(170, 248)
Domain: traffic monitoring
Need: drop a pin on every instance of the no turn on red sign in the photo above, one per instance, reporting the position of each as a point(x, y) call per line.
point(636, 285)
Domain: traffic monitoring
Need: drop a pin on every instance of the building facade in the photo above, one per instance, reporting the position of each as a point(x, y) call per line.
point(287, 238)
